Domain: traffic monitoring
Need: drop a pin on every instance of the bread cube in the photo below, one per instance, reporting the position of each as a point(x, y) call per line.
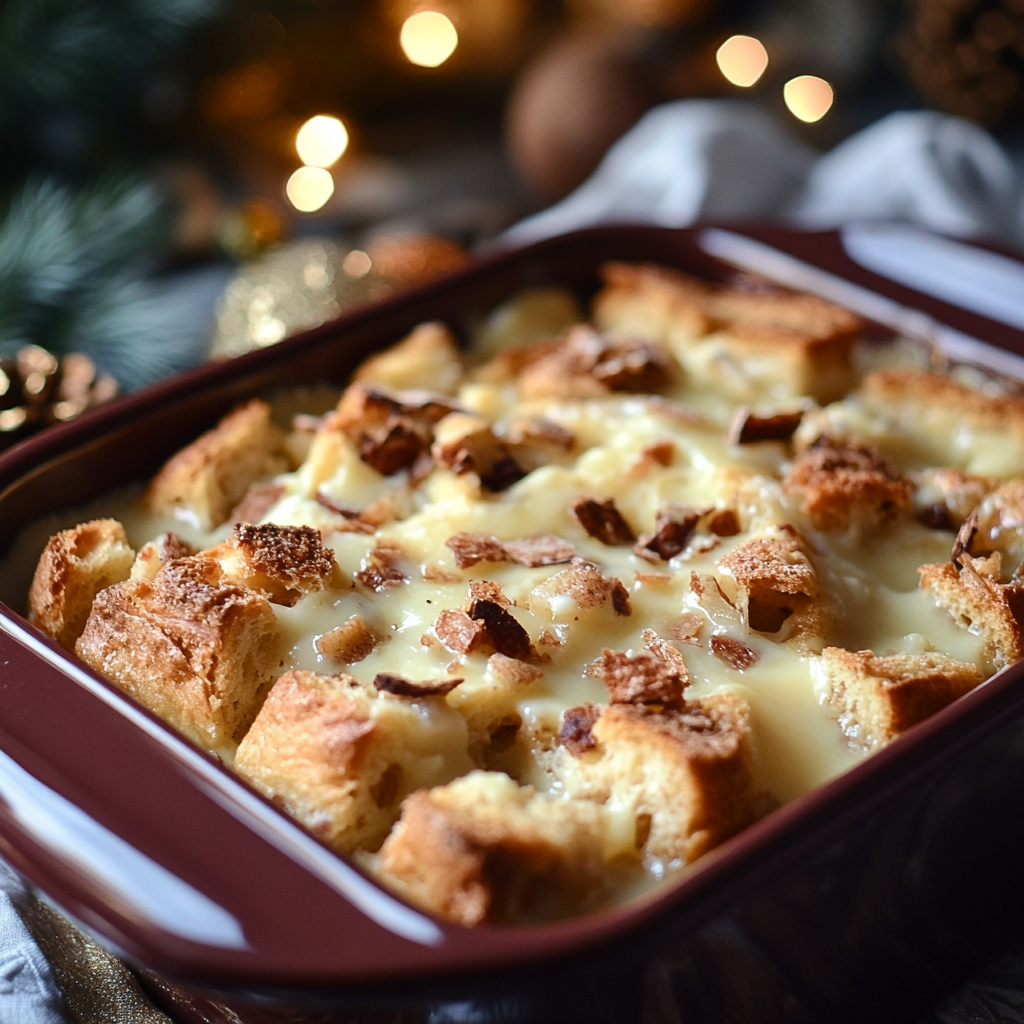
point(74, 567)
point(427, 358)
point(485, 849)
point(878, 697)
point(340, 757)
point(192, 647)
point(209, 477)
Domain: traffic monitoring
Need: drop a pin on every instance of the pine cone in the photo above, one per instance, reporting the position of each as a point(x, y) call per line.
point(37, 389)
point(967, 56)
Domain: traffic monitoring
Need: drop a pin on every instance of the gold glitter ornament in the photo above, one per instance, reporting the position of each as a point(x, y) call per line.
point(304, 283)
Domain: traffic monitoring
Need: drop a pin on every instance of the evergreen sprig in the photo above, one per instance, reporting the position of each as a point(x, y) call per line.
point(74, 268)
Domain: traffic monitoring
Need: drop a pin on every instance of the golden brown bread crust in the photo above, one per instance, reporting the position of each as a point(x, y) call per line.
point(976, 600)
point(845, 484)
point(879, 697)
point(187, 644)
point(688, 772)
point(340, 758)
point(428, 357)
point(283, 562)
point(354, 640)
point(585, 584)
point(152, 557)
point(74, 567)
point(209, 477)
point(485, 849)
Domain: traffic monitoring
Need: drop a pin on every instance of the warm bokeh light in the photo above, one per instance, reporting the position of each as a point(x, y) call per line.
point(428, 38)
point(357, 263)
point(808, 98)
point(742, 60)
point(321, 141)
point(309, 188)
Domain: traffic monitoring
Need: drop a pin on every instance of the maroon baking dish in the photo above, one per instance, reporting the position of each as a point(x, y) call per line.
point(868, 897)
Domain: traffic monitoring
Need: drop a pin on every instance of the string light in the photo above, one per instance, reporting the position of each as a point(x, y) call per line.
point(808, 97)
point(321, 141)
point(309, 188)
point(742, 60)
point(428, 38)
point(357, 264)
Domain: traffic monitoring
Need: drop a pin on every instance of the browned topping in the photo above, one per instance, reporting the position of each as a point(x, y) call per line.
point(936, 517)
point(352, 641)
point(652, 577)
point(172, 546)
point(964, 538)
point(577, 725)
point(467, 444)
point(843, 483)
point(548, 639)
point(486, 590)
point(512, 670)
point(339, 508)
point(661, 648)
point(470, 548)
point(603, 521)
point(644, 678)
point(587, 586)
point(584, 364)
point(436, 574)
point(540, 549)
point(687, 628)
point(534, 441)
point(381, 569)
point(673, 528)
point(390, 430)
point(503, 632)
point(290, 554)
point(402, 687)
point(258, 501)
point(732, 652)
point(661, 452)
point(724, 523)
point(748, 428)
point(348, 526)
point(458, 632)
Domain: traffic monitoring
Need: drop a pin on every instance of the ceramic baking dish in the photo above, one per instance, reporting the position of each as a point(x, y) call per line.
point(878, 890)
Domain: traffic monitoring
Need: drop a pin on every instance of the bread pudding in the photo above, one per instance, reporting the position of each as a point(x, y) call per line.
point(529, 627)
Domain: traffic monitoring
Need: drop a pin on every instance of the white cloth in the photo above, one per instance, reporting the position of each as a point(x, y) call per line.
point(28, 992)
point(728, 160)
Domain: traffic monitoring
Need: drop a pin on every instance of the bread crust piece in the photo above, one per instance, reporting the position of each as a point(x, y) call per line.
point(485, 849)
point(427, 357)
point(988, 607)
point(879, 697)
point(777, 586)
point(340, 757)
point(846, 485)
point(751, 344)
point(687, 772)
point(283, 562)
point(74, 567)
point(209, 477)
point(974, 430)
point(193, 648)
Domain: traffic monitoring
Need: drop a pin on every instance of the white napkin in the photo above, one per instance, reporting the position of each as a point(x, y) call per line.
point(728, 160)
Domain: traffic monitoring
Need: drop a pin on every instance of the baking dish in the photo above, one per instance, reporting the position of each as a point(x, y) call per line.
point(885, 882)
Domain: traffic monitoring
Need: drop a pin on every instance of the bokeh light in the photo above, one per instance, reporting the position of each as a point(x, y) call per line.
point(808, 97)
point(742, 60)
point(321, 141)
point(309, 188)
point(357, 263)
point(428, 38)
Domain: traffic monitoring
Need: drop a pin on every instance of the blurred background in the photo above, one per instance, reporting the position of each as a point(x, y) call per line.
point(181, 177)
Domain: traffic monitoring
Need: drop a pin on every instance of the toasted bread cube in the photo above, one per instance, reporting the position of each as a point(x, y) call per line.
point(341, 757)
point(647, 301)
point(427, 358)
point(193, 648)
point(843, 485)
point(283, 562)
point(951, 423)
point(74, 567)
point(977, 601)
point(878, 697)
point(686, 773)
point(485, 849)
point(152, 557)
point(944, 498)
point(1001, 523)
point(209, 477)
point(354, 640)
point(580, 587)
point(777, 585)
